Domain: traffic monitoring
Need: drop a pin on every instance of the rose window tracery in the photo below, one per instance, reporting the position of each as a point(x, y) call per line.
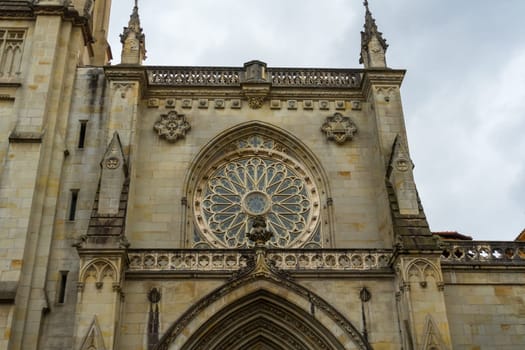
point(260, 181)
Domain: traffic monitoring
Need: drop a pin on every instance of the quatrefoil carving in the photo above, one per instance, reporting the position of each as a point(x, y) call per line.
point(339, 128)
point(172, 126)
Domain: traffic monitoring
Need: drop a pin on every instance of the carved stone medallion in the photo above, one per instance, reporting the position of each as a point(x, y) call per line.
point(255, 102)
point(172, 126)
point(339, 128)
point(112, 163)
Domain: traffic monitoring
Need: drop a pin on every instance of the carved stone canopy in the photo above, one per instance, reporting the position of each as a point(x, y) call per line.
point(172, 126)
point(339, 128)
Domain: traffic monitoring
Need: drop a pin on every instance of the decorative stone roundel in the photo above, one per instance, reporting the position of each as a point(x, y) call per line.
point(112, 163)
point(172, 126)
point(268, 184)
point(339, 128)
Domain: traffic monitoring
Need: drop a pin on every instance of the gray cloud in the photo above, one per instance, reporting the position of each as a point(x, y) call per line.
point(464, 93)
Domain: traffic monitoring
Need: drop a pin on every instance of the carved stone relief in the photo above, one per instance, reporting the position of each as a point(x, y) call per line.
point(123, 88)
point(235, 103)
point(172, 126)
point(203, 103)
point(422, 271)
point(356, 105)
point(387, 92)
point(339, 128)
point(340, 105)
point(324, 105)
point(170, 103)
point(11, 46)
point(186, 103)
point(202, 260)
point(433, 339)
point(112, 163)
point(153, 103)
point(308, 104)
point(98, 270)
point(255, 102)
point(219, 103)
point(93, 339)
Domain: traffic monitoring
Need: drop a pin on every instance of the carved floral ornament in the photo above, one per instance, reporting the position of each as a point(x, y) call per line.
point(112, 163)
point(339, 128)
point(172, 126)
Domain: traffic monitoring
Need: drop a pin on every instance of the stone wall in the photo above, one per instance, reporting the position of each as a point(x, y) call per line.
point(486, 308)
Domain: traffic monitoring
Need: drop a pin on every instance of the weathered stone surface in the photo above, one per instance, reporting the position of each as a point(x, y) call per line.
point(77, 271)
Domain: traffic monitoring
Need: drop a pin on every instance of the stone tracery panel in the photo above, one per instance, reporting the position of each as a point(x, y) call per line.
point(11, 46)
point(256, 175)
point(98, 270)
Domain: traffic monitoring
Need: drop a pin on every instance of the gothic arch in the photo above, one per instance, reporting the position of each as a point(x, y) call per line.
point(262, 318)
point(282, 161)
point(420, 269)
point(99, 269)
point(257, 308)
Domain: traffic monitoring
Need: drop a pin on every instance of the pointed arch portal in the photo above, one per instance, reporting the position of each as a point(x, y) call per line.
point(265, 320)
point(262, 308)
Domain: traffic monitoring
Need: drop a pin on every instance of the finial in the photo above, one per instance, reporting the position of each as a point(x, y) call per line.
point(371, 36)
point(133, 39)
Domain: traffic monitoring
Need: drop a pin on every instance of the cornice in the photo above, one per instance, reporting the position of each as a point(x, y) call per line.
point(381, 77)
point(27, 10)
point(124, 72)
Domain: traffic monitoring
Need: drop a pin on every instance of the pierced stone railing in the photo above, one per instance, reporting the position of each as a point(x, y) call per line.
point(194, 76)
point(336, 260)
point(187, 260)
point(330, 78)
point(197, 260)
point(483, 252)
point(233, 77)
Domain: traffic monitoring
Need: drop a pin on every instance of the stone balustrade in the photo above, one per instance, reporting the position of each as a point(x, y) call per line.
point(194, 76)
point(483, 252)
point(221, 260)
point(229, 260)
point(231, 76)
point(329, 78)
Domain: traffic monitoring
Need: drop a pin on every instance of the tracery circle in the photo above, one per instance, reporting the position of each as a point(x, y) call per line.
point(239, 189)
point(256, 203)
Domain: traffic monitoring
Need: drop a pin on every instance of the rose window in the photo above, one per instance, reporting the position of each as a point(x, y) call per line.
point(240, 189)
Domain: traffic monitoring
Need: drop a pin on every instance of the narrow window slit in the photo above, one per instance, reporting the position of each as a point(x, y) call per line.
point(62, 287)
point(82, 134)
point(73, 205)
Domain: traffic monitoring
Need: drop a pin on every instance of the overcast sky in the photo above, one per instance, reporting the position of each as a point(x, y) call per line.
point(463, 95)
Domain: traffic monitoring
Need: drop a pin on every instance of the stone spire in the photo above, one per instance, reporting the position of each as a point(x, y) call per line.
point(133, 40)
point(373, 45)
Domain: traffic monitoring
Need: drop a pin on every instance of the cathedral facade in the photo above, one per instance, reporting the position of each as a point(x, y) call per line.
point(251, 207)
